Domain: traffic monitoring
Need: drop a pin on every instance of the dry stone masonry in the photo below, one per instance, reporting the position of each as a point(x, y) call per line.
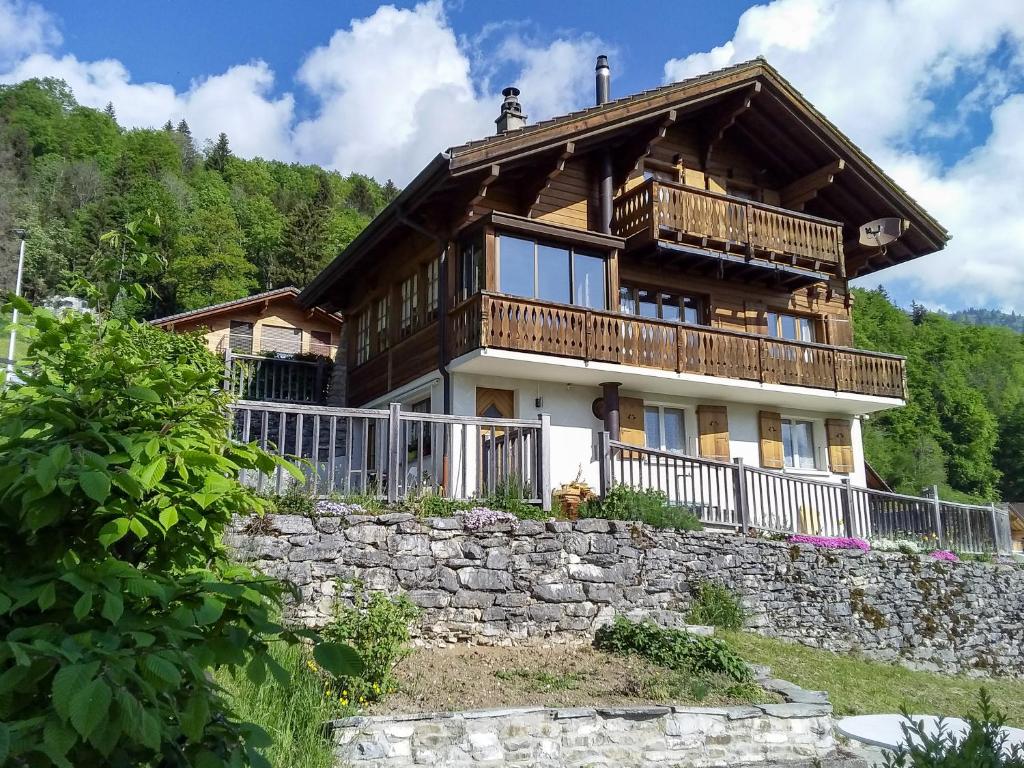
point(559, 581)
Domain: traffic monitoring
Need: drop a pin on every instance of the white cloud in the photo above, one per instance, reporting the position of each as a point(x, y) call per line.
point(25, 28)
point(877, 68)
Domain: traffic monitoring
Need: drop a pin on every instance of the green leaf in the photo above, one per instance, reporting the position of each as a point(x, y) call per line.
point(69, 680)
point(46, 474)
point(137, 527)
point(95, 484)
point(195, 716)
point(5, 742)
point(149, 730)
point(60, 455)
point(47, 596)
point(210, 611)
point(113, 607)
point(128, 483)
point(162, 669)
point(21, 304)
point(144, 394)
point(153, 472)
point(89, 707)
point(57, 737)
point(83, 606)
point(5, 604)
point(169, 518)
point(113, 531)
point(338, 659)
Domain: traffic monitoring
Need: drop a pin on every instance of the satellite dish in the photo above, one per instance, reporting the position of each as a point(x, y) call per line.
point(881, 232)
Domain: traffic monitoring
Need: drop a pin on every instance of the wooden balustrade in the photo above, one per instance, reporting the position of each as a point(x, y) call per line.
point(527, 325)
point(728, 223)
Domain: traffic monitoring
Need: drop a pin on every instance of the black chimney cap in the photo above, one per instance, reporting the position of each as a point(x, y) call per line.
point(510, 91)
point(602, 62)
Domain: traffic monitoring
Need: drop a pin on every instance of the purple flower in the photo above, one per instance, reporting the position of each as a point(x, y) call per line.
point(831, 542)
point(481, 517)
point(338, 508)
point(945, 554)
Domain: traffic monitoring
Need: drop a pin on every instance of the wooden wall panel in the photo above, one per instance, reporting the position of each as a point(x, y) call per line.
point(566, 200)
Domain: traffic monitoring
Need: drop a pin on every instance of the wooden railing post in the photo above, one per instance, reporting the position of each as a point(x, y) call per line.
point(937, 517)
point(604, 458)
point(588, 321)
point(544, 460)
point(847, 502)
point(740, 491)
point(394, 438)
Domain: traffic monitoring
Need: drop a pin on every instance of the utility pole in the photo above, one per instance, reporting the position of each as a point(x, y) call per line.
point(23, 236)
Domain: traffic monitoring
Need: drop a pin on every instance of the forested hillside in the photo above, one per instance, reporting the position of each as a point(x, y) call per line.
point(963, 428)
point(228, 227)
point(993, 317)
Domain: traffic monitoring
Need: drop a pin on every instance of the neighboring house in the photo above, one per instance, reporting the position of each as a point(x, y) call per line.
point(1016, 509)
point(278, 339)
point(670, 266)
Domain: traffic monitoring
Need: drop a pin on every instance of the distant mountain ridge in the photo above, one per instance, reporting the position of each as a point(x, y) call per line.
point(989, 317)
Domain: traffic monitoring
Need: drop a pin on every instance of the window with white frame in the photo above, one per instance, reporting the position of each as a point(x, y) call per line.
point(664, 428)
point(433, 284)
point(363, 337)
point(409, 301)
point(798, 443)
point(382, 324)
point(792, 327)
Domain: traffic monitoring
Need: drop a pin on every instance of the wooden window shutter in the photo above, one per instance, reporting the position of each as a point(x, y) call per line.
point(840, 331)
point(631, 421)
point(840, 446)
point(772, 456)
point(713, 428)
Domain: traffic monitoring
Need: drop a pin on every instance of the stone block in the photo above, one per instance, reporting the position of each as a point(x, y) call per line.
point(559, 592)
point(483, 579)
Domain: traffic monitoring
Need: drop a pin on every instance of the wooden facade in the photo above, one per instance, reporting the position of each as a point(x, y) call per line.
point(732, 240)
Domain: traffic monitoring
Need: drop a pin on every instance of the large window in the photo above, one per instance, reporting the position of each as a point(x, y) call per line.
point(433, 286)
point(663, 428)
point(677, 307)
point(471, 265)
point(550, 272)
point(240, 337)
point(363, 337)
point(381, 325)
point(280, 339)
point(798, 443)
point(410, 299)
point(792, 327)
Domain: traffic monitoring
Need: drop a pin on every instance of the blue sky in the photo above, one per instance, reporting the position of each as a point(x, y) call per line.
point(933, 91)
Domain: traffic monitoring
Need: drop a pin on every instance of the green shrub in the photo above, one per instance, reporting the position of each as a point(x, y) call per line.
point(672, 648)
point(716, 606)
point(648, 506)
point(116, 596)
point(510, 495)
point(378, 629)
point(294, 501)
point(981, 747)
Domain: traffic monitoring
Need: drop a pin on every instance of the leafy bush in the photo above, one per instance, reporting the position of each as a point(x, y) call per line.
point(116, 595)
point(294, 501)
point(647, 506)
point(716, 606)
point(983, 746)
point(378, 629)
point(672, 648)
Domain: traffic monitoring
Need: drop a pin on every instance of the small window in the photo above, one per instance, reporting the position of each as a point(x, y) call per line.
point(381, 327)
point(798, 443)
point(240, 337)
point(471, 266)
point(791, 327)
point(363, 337)
point(664, 429)
point(281, 339)
point(410, 300)
point(433, 287)
point(320, 343)
point(418, 428)
point(677, 307)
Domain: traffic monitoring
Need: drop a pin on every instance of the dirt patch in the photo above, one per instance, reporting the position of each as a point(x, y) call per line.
point(463, 677)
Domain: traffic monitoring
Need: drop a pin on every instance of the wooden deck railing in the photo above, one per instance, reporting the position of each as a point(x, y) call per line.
point(729, 223)
point(526, 325)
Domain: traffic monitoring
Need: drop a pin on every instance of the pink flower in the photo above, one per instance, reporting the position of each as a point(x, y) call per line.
point(945, 554)
point(831, 542)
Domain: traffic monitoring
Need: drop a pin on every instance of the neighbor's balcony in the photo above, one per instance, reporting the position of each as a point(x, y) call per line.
point(496, 321)
point(748, 232)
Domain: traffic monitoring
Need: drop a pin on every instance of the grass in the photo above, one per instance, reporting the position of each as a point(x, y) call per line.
point(859, 686)
point(541, 680)
point(293, 716)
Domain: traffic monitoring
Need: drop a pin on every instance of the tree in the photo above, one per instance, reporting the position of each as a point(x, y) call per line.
point(218, 153)
point(304, 242)
point(361, 195)
point(168, 126)
point(189, 153)
point(109, 111)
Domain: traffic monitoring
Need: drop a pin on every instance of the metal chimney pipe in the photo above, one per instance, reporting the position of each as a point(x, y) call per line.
point(605, 187)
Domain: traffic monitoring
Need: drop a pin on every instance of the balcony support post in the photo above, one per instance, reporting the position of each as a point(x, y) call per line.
point(610, 390)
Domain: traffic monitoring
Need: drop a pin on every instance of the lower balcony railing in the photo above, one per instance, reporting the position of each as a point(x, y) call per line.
point(526, 325)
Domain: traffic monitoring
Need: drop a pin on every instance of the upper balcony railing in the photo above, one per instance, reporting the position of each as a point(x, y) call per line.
point(657, 210)
point(527, 325)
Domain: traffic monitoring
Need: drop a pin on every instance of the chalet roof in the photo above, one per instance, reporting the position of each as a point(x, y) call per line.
point(806, 131)
point(277, 294)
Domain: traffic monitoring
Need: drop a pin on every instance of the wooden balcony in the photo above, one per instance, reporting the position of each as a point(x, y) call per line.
point(524, 325)
point(739, 233)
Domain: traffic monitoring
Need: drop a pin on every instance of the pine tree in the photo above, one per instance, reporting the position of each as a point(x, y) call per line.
point(109, 111)
point(189, 153)
point(168, 126)
point(389, 191)
point(304, 242)
point(218, 153)
point(918, 313)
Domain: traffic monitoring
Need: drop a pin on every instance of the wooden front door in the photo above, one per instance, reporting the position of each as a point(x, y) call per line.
point(493, 457)
point(495, 403)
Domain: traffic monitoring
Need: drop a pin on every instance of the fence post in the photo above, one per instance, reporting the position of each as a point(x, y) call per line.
point(604, 458)
point(394, 438)
point(937, 516)
point(740, 490)
point(995, 530)
point(227, 371)
point(847, 501)
point(544, 458)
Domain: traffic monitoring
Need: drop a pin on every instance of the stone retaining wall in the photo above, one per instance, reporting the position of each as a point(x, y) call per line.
point(559, 581)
